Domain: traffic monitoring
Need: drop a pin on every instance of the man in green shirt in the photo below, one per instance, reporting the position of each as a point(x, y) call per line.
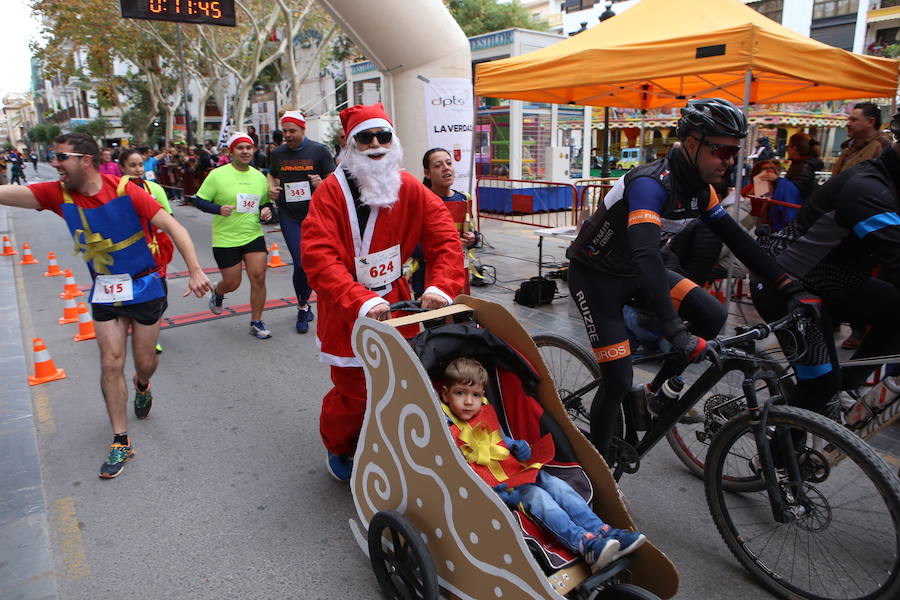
point(238, 195)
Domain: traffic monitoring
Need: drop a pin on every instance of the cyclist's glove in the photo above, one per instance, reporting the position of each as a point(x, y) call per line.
point(799, 298)
point(692, 348)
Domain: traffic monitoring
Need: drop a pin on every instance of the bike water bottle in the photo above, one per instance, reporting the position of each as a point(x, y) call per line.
point(667, 395)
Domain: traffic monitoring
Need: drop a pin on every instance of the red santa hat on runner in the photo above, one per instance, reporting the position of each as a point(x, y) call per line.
point(237, 138)
point(365, 116)
point(294, 116)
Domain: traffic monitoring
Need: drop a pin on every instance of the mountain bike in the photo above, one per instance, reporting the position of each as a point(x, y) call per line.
point(804, 525)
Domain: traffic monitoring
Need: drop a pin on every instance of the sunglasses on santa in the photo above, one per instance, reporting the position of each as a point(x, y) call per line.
point(365, 137)
point(721, 151)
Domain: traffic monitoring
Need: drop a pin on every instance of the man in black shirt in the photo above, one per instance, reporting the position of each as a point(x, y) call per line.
point(296, 168)
point(842, 232)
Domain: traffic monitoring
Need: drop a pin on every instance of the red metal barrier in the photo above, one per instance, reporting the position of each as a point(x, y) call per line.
point(536, 203)
point(760, 209)
point(590, 193)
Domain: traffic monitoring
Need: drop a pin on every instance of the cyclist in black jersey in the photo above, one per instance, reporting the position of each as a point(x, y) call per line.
point(841, 233)
point(616, 257)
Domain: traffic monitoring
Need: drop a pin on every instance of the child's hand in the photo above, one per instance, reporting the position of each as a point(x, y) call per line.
point(520, 450)
point(510, 496)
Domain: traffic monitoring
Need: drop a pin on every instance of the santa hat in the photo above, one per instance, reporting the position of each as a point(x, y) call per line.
point(361, 117)
point(294, 116)
point(236, 138)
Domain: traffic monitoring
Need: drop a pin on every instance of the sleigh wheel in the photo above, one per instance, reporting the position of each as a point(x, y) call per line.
point(400, 559)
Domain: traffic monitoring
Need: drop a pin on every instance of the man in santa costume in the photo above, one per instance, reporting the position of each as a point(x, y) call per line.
point(364, 221)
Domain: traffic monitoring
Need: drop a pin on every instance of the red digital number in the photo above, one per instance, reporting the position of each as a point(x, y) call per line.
point(214, 8)
point(157, 6)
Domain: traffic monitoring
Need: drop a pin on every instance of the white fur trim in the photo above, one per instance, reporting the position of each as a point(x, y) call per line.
point(435, 290)
point(370, 124)
point(334, 360)
point(370, 304)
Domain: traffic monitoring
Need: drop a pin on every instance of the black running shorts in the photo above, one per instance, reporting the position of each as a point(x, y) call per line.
point(228, 257)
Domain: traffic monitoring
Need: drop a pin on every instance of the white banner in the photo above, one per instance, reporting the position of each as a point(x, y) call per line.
point(449, 119)
point(223, 130)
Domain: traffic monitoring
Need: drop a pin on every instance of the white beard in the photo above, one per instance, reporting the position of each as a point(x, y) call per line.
point(378, 180)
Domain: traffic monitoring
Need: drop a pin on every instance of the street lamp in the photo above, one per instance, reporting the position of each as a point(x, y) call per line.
point(604, 169)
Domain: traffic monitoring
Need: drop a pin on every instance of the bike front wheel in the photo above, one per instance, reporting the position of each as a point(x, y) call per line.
point(691, 437)
point(843, 542)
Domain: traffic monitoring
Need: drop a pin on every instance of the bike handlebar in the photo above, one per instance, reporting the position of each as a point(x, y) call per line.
point(757, 332)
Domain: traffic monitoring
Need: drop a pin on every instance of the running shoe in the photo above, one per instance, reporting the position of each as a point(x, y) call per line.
point(118, 455)
point(159, 348)
point(215, 303)
point(629, 541)
point(258, 330)
point(143, 400)
point(599, 551)
point(340, 466)
point(304, 316)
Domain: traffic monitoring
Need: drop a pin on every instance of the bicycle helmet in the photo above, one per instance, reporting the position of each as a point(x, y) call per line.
point(712, 117)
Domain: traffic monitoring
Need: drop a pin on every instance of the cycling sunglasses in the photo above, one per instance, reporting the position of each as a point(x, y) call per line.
point(61, 156)
point(722, 151)
point(365, 137)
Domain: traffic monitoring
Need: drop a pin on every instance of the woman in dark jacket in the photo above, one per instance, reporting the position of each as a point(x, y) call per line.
point(803, 152)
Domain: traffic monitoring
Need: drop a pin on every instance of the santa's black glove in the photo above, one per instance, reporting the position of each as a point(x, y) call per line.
point(799, 298)
point(692, 348)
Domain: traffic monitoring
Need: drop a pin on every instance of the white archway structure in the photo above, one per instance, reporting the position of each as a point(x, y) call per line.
point(407, 41)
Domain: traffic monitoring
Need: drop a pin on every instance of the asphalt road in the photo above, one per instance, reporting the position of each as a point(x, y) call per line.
point(227, 496)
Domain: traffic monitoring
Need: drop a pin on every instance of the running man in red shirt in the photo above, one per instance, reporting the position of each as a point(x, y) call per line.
point(114, 223)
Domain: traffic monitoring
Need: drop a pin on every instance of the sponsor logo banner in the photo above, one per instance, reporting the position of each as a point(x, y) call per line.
point(449, 118)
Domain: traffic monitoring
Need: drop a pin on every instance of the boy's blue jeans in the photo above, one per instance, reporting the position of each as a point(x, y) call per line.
point(560, 509)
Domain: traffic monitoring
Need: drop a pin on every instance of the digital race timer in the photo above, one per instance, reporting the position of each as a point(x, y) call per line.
point(212, 12)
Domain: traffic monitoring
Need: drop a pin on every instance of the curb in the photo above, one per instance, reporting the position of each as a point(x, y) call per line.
point(26, 562)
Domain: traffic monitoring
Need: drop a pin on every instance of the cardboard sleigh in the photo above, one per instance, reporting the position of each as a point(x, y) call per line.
point(407, 464)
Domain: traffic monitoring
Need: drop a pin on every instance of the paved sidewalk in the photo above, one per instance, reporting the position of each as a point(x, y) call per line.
point(26, 565)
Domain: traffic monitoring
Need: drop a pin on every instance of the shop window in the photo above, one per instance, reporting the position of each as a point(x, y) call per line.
point(770, 8)
point(823, 9)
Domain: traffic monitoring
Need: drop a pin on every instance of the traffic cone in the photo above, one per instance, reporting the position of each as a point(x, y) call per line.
point(52, 266)
point(70, 312)
point(44, 369)
point(275, 260)
point(85, 324)
point(27, 258)
point(70, 290)
point(7, 247)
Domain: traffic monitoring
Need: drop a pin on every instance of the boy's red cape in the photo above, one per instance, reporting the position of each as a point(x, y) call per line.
point(482, 445)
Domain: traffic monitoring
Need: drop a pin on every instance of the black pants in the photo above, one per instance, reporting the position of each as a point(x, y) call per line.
point(600, 299)
point(812, 353)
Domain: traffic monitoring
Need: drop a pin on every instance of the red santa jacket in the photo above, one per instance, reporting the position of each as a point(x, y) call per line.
point(331, 238)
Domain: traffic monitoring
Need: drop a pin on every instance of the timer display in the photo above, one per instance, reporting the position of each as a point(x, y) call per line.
point(204, 12)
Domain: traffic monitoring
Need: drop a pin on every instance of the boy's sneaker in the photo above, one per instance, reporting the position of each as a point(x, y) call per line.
point(340, 466)
point(629, 541)
point(599, 551)
point(215, 303)
point(143, 400)
point(115, 461)
point(258, 330)
point(304, 316)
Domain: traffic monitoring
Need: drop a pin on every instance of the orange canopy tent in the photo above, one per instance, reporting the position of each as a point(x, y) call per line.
point(660, 52)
